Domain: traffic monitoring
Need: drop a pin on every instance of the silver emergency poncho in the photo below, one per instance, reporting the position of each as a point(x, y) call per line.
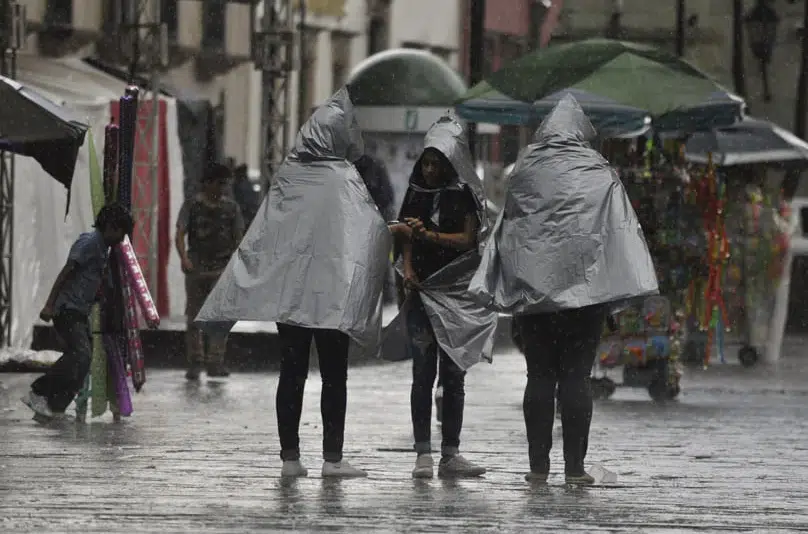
point(568, 236)
point(316, 253)
point(463, 329)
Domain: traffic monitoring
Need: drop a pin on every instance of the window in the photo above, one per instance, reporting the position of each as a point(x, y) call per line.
point(510, 48)
point(116, 13)
point(213, 24)
point(510, 142)
point(537, 13)
point(169, 18)
point(378, 26)
point(308, 78)
point(490, 49)
point(340, 58)
point(59, 13)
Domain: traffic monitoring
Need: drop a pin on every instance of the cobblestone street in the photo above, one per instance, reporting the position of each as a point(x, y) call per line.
point(729, 456)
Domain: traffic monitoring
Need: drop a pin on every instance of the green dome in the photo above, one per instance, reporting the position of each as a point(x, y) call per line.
point(405, 77)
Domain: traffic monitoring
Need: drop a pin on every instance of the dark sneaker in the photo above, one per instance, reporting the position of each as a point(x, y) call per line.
point(536, 478)
point(193, 373)
point(218, 371)
point(584, 479)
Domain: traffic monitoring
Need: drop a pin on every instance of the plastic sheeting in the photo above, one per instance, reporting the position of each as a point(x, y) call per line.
point(567, 236)
point(463, 329)
point(316, 253)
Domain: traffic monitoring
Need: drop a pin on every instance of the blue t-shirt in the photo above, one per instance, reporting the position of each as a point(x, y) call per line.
point(90, 254)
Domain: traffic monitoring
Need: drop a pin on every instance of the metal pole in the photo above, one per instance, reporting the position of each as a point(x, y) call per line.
point(738, 74)
point(267, 101)
point(302, 89)
point(476, 57)
point(680, 28)
point(154, 160)
point(801, 110)
point(12, 37)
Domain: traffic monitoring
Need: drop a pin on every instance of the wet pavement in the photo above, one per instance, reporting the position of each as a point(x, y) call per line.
point(729, 456)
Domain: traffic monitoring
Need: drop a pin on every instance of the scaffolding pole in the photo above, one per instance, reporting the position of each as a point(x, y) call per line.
point(144, 45)
point(272, 50)
point(12, 39)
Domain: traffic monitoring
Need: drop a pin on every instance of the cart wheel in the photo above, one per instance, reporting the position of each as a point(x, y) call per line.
point(748, 356)
point(661, 388)
point(603, 388)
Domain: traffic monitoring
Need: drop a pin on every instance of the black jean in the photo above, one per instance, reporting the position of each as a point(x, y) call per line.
point(427, 358)
point(65, 378)
point(560, 351)
point(332, 350)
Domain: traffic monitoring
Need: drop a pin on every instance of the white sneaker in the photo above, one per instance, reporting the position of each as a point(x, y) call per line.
point(293, 469)
point(38, 404)
point(423, 467)
point(341, 470)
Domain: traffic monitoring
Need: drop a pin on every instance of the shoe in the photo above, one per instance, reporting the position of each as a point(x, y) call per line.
point(584, 479)
point(458, 467)
point(293, 469)
point(38, 404)
point(218, 371)
point(536, 478)
point(193, 373)
point(423, 467)
point(341, 470)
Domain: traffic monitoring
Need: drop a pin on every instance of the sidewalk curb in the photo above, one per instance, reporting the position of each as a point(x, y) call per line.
point(245, 352)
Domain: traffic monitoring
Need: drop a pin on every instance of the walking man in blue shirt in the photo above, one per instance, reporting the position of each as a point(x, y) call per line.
point(68, 306)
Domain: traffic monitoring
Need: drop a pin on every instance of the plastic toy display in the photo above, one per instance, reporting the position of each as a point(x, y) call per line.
point(643, 339)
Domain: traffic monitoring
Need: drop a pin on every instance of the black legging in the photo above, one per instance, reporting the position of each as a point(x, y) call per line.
point(332, 350)
point(559, 350)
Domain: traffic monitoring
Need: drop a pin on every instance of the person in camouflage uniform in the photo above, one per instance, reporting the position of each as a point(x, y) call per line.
point(214, 226)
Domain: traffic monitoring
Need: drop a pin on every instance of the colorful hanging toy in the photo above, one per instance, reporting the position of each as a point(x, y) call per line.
point(713, 192)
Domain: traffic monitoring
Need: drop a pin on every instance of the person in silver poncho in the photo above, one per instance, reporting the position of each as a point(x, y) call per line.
point(566, 249)
point(444, 220)
point(314, 260)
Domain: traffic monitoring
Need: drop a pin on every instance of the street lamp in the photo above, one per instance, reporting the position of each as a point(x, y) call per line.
point(761, 26)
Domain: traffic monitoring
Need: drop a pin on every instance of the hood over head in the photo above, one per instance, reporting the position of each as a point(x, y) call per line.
point(448, 136)
point(331, 132)
point(566, 122)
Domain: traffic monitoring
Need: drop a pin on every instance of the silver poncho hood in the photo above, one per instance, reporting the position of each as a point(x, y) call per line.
point(463, 329)
point(568, 236)
point(316, 253)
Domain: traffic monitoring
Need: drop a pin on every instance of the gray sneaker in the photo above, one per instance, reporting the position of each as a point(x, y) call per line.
point(584, 479)
point(293, 469)
point(459, 467)
point(424, 467)
point(342, 470)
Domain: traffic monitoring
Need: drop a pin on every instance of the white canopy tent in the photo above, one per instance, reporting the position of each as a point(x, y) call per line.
point(42, 236)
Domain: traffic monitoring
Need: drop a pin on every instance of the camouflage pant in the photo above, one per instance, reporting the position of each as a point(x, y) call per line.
point(197, 288)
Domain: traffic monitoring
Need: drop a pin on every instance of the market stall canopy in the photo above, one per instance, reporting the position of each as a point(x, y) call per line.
point(33, 126)
point(747, 142)
point(405, 77)
point(483, 103)
point(630, 74)
point(720, 108)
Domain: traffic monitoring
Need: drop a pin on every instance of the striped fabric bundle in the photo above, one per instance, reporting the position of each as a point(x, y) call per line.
point(135, 349)
point(137, 283)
